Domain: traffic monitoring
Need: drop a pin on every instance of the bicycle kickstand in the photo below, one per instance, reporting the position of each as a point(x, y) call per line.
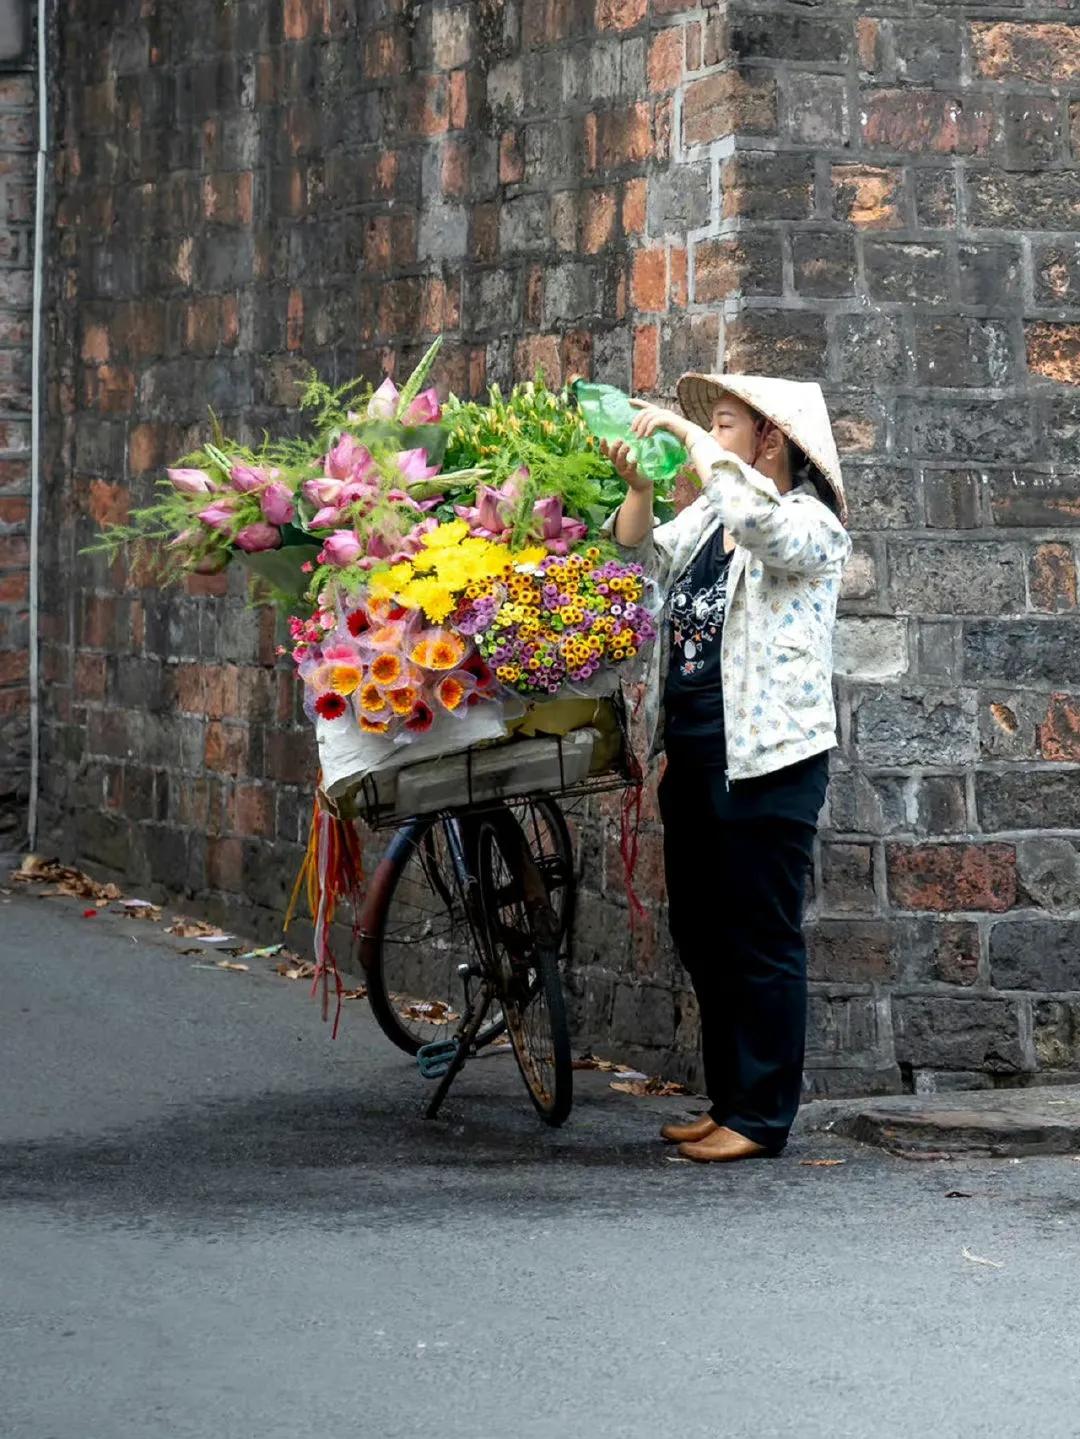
point(463, 1042)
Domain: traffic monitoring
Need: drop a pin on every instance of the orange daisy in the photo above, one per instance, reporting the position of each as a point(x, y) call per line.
point(438, 650)
point(372, 698)
point(450, 692)
point(402, 700)
point(386, 668)
point(344, 679)
point(370, 726)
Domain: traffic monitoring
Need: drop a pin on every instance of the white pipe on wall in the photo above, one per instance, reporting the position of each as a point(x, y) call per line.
point(35, 420)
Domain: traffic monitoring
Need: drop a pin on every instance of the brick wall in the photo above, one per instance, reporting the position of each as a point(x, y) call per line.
point(18, 139)
point(887, 199)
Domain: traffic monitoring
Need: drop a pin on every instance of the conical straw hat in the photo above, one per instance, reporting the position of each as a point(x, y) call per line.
point(797, 407)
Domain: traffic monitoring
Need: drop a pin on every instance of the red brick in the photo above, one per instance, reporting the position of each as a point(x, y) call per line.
point(577, 351)
point(225, 864)
point(15, 589)
point(14, 667)
point(946, 877)
point(868, 37)
point(649, 283)
point(14, 702)
point(1053, 350)
point(511, 158)
point(455, 169)
point(227, 198)
point(95, 345)
point(252, 809)
point(386, 54)
point(617, 138)
point(1052, 578)
point(294, 321)
point(484, 246)
point(633, 207)
point(386, 172)
point(1043, 52)
point(226, 748)
point(1059, 733)
point(678, 267)
point(646, 359)
point(666, 60)
point(14, 509)
point(14, 551)
point(719, 105)
point(428, 106)
point(15, 474)
point(207, 585)
point(599, 211)
point(89, 677)
point(620, 14)
point(871, 199)
point(109, 389)
point(693, 45)
point(534, 296)
point(190, 689)
point(107, 504)
point(926, 122)
point(458, 104)
point(539, 352)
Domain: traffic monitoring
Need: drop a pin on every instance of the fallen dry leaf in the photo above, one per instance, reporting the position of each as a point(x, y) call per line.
point(655, 1086)
point(978, 1259)
point(590, 1061)
point(428, 1011)
point(360, 992)
point(822, 1163)
point(295, 969)
point(140, 909)
point(36, 869)
point(192, 928)
point(232, 964)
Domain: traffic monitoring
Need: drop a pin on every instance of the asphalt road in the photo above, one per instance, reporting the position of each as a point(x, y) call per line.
point(217, 1224)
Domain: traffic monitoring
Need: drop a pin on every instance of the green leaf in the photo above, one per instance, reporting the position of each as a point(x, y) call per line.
point(415, 382)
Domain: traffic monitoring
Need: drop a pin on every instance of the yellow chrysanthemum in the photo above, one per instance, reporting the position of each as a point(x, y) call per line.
point(449, 533)
point(533, 555)
point(429, 595)
point(386, 584)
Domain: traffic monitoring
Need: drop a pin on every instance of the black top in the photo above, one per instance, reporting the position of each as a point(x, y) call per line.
point(694, 706)
point(694, 692)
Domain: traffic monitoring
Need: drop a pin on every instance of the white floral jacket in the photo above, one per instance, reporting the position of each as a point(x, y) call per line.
point(776, 651)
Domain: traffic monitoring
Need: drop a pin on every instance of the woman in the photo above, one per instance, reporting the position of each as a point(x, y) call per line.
point(752, 572)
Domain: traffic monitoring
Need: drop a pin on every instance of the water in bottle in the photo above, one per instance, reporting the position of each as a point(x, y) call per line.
point(608, 413)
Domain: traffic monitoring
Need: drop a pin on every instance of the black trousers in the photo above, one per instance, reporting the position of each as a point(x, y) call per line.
point(736, 861)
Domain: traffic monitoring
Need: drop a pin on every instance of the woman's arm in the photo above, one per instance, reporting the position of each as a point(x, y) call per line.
point(800, 538)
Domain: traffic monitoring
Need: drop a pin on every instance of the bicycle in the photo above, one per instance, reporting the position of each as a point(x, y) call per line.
point(464, 923)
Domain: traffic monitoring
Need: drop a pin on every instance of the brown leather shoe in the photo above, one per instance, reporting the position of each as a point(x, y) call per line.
point(689, 1133)
point(723, 1146)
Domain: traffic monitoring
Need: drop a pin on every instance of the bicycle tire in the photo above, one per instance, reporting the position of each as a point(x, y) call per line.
point(385, 887)
point(523, 934)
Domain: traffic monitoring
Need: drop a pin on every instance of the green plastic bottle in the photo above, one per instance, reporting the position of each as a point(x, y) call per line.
point(608, 413)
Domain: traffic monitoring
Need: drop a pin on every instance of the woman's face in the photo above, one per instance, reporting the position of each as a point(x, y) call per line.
point(736, 427)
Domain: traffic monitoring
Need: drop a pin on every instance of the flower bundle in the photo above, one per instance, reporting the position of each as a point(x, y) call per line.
point(431, 558)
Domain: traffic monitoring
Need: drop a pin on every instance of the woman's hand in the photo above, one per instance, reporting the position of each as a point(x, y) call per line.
point(620, 455)
point(650, 418)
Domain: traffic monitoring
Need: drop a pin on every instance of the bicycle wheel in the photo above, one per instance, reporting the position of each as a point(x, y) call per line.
point(417, 928)
point(523, 940)
point(548, 836)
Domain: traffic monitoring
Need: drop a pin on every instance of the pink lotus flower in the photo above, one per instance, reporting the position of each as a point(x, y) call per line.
point(414, 466)
point(257, 537)
point(341, 549)
point(358, 490)
point(555, 530)
point(191, 482)
point(323, 491)
point(348, 459)
point(219, 516)
point(277, 503)
point(384, 402)
point(424, 410)
point(492, 515)
point(245, 478)
point(328, 518)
